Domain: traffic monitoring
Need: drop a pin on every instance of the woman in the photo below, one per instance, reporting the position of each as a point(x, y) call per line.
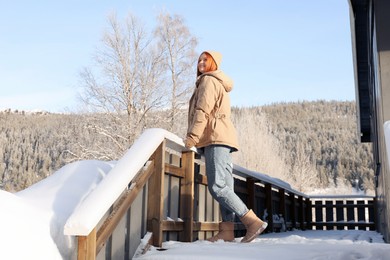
point(210, 128)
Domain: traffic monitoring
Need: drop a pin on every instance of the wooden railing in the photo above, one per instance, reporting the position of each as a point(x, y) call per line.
point(344, 212)
point(160, 187)
point(273, 200)
point(153, 188)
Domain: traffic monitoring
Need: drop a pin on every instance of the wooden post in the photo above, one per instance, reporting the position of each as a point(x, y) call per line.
point(87, 246)
point(373, 216)
point(282, 202)
point(301, 213)
point(293, 211)
point(250, 184)
point(329, 214)
point(282, 208)
point(156, 196)
point(269, 205)
point(187, 197)
point(309, 217)
point(340, 213)
point(361, 210)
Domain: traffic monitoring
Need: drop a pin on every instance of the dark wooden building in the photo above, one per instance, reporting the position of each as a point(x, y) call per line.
point(370, 28)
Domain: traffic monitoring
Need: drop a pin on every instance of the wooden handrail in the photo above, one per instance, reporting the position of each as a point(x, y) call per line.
point(123, 205)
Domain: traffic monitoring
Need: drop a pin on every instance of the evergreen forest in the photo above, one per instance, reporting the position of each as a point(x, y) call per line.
point(311, 145)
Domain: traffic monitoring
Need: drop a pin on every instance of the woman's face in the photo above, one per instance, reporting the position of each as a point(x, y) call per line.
point(202, 63)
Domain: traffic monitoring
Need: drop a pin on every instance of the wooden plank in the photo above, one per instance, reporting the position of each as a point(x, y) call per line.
point(361, 212)
point(349, 224)
point(269, 206)
point(350, 212)
point(169, 225)
point(318, 211)
point(136, 223)
point(201, 179)
point(282, 203)
point(146, 246)
point(210, 205)
point(118, 239)
point(206, 226)
point(202, 169)
point(87, 246)
point(174, 198)
point(239, 189)
point(301, 212)
point(294, 218)
point(250, 185)
point(175, 160)
point(373, 214)
point(309, 217)
point(174, 170)
point(122, 206)
point(216, 212)
point(339, 213)
point(155, 196)
point(101, 254)
point(281, 210)
point(174, 206)
point(207, 208)
point(202, 204)
point(347, 206)
point(197, 226)
point(166, 196)
point(187, 196)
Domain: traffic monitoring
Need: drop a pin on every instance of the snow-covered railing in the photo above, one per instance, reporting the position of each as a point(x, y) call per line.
point(104, 210)
point(274, 200)
point(160, 187)
point(82, 222)
point(157, 161)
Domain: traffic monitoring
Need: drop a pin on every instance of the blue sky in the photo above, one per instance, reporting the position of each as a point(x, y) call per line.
point(275, 51)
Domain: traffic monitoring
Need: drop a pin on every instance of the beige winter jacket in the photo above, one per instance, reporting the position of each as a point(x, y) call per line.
point(209, 111)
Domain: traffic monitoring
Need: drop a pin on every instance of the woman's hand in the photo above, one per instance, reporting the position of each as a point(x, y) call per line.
point(189, 143)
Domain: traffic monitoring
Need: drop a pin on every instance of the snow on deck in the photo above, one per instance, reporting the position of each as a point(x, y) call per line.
point(311, 244)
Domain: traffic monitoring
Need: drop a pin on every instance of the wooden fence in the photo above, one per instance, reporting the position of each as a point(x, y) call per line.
point(344, 212)
point(169, 198)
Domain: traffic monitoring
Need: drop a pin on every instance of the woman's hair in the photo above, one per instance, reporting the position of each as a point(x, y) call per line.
point(210, 64)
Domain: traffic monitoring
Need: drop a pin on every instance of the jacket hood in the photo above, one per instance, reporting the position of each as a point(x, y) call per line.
point(224, 79)
point(217, 57)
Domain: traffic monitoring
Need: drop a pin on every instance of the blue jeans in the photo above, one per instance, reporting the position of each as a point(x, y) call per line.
point(219, 171)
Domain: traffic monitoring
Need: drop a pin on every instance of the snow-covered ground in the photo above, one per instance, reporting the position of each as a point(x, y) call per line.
point(32, 221)
point(32, 227)
point(292, 245)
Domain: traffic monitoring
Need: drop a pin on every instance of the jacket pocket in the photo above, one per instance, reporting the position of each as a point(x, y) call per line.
point(229, 168)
